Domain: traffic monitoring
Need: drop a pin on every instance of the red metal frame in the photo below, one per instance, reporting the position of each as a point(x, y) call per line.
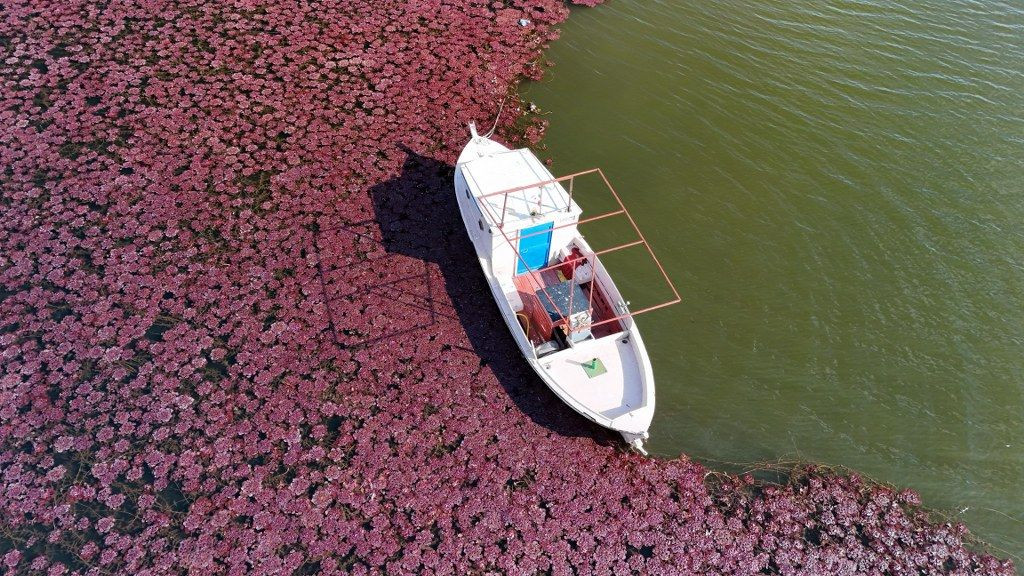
point(541, 184)
point(593, 255)
point(576, 223)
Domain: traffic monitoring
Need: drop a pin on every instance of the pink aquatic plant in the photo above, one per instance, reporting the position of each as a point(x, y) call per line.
point(241, 332)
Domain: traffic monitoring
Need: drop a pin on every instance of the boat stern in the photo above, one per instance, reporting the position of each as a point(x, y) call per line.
point(636, 441)
point(608, 380)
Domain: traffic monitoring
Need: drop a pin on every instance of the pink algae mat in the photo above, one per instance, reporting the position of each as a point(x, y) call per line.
point(242, 331)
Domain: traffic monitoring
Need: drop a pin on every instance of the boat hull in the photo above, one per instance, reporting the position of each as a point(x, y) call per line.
point(621, 399)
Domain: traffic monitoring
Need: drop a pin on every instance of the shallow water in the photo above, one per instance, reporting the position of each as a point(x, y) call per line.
point(838, 190)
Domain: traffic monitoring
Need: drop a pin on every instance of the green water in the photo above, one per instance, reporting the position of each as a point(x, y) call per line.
point(837, 188)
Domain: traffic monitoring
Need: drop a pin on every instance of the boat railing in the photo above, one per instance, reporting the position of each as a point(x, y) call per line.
point(541, 185)
point(592, 256)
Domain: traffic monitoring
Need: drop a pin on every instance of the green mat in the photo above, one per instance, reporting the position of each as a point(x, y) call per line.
point(594, 367)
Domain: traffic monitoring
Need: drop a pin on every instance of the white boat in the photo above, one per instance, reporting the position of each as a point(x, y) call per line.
point(569, 320)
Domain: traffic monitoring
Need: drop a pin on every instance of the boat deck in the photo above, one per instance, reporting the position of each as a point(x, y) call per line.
point(530, 282)
point(614, 392)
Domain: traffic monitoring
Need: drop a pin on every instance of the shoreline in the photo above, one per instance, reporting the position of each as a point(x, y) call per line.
point(242, 328)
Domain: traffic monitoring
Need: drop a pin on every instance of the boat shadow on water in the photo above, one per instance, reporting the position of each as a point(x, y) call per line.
point(418, 221)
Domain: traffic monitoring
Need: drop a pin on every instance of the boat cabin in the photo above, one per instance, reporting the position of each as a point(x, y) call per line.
point(549, 275)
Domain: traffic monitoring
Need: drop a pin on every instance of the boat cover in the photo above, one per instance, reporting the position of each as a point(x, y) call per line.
point(557, 306)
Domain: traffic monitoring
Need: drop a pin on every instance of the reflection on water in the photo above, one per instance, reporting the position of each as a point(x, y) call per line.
point(838, 189)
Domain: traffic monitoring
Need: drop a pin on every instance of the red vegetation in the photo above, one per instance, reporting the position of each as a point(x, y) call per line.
point(241, 329)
